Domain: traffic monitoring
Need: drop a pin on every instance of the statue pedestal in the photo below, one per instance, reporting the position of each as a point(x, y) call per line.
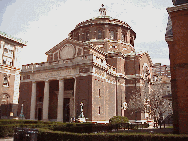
point(82, 119)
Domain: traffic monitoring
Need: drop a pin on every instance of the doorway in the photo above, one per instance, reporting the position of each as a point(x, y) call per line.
point(66, 110)
point(39, 113)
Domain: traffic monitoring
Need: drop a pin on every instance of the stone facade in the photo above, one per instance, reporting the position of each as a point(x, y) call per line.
point(91, 67)
point(9, 75)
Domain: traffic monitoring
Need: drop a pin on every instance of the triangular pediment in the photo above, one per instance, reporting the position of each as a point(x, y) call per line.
point(65, 42)
point(66, 49)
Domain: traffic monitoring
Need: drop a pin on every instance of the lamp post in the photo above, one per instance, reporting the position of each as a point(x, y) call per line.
point(22, 114)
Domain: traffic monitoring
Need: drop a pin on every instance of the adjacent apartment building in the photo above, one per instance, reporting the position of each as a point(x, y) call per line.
point(9, 75)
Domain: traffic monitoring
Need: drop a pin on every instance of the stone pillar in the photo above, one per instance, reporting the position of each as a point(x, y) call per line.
point(46, 101)
point(60, 101)
point(33, 101)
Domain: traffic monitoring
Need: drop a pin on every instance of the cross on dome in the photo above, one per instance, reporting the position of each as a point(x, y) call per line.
point(102, 11)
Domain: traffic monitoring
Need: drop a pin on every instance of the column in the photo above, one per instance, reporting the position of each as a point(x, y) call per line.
point(60, 101)
point(33, 101)
point(46, 101)
point(74, 98)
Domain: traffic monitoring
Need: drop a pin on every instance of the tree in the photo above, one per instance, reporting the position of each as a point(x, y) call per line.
point(150, 101)
point(158, 104)
point(136, 103)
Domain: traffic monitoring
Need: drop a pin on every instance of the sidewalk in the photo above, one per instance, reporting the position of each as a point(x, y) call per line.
point(150, 129)
point(7, 139)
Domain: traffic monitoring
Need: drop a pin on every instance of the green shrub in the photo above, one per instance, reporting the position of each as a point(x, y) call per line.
point(118, 120)
point(7, 130)
point(48, 135)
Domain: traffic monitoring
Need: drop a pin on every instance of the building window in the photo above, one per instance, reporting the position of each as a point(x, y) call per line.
point(5, 50)
point(56, 56)
point(87, 35)
point(99, 110)
point(99, 93)
point(77, 36)
point(5, 99)
point(113, 46)
point(99, 34)
point(112, 36)
point(123, 37)
point(28, 76)
point(79, 52)
point(11, 63)
point(40, 99)
point(132, 41)
point(4, 61)
point(6, 80)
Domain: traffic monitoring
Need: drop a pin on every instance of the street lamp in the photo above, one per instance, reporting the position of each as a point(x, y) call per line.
point(22, 114)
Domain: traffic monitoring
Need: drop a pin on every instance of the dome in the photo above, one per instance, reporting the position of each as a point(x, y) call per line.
point(103, 27)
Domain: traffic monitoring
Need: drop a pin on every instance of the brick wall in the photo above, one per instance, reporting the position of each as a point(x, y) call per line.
point(179, 68)
point(83, 94)
point(25, 97)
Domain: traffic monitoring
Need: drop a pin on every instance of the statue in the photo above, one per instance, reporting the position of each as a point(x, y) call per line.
point(81, 116)
point(82, 110)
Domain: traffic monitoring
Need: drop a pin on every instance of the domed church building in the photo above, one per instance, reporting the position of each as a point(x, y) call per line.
point(87, 74)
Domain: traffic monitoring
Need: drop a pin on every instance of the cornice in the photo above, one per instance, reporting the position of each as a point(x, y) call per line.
point(177, 8)
point(13, 39)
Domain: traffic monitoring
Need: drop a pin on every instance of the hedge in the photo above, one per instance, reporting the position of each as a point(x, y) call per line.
point(7, 130)
point(49, 135)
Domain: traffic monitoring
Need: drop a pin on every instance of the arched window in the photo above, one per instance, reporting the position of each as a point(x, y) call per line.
point(5, 98)
point(123, 37)
point(76, 36)
point(112, 35)
point(99, 34)
point(132, 41)
point(87, 35)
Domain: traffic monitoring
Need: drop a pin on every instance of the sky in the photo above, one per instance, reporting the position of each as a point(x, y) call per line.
point(45, 23)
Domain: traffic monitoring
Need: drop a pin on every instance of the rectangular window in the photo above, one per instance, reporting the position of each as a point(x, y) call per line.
point(56, 56)
point(79, 52)
point(99, 34)
point(99, 110)
point(5, 50)
point(28, 76)
point(4, 62)
point(99, 92)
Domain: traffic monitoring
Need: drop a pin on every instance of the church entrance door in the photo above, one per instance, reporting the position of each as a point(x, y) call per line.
point(66, 110)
